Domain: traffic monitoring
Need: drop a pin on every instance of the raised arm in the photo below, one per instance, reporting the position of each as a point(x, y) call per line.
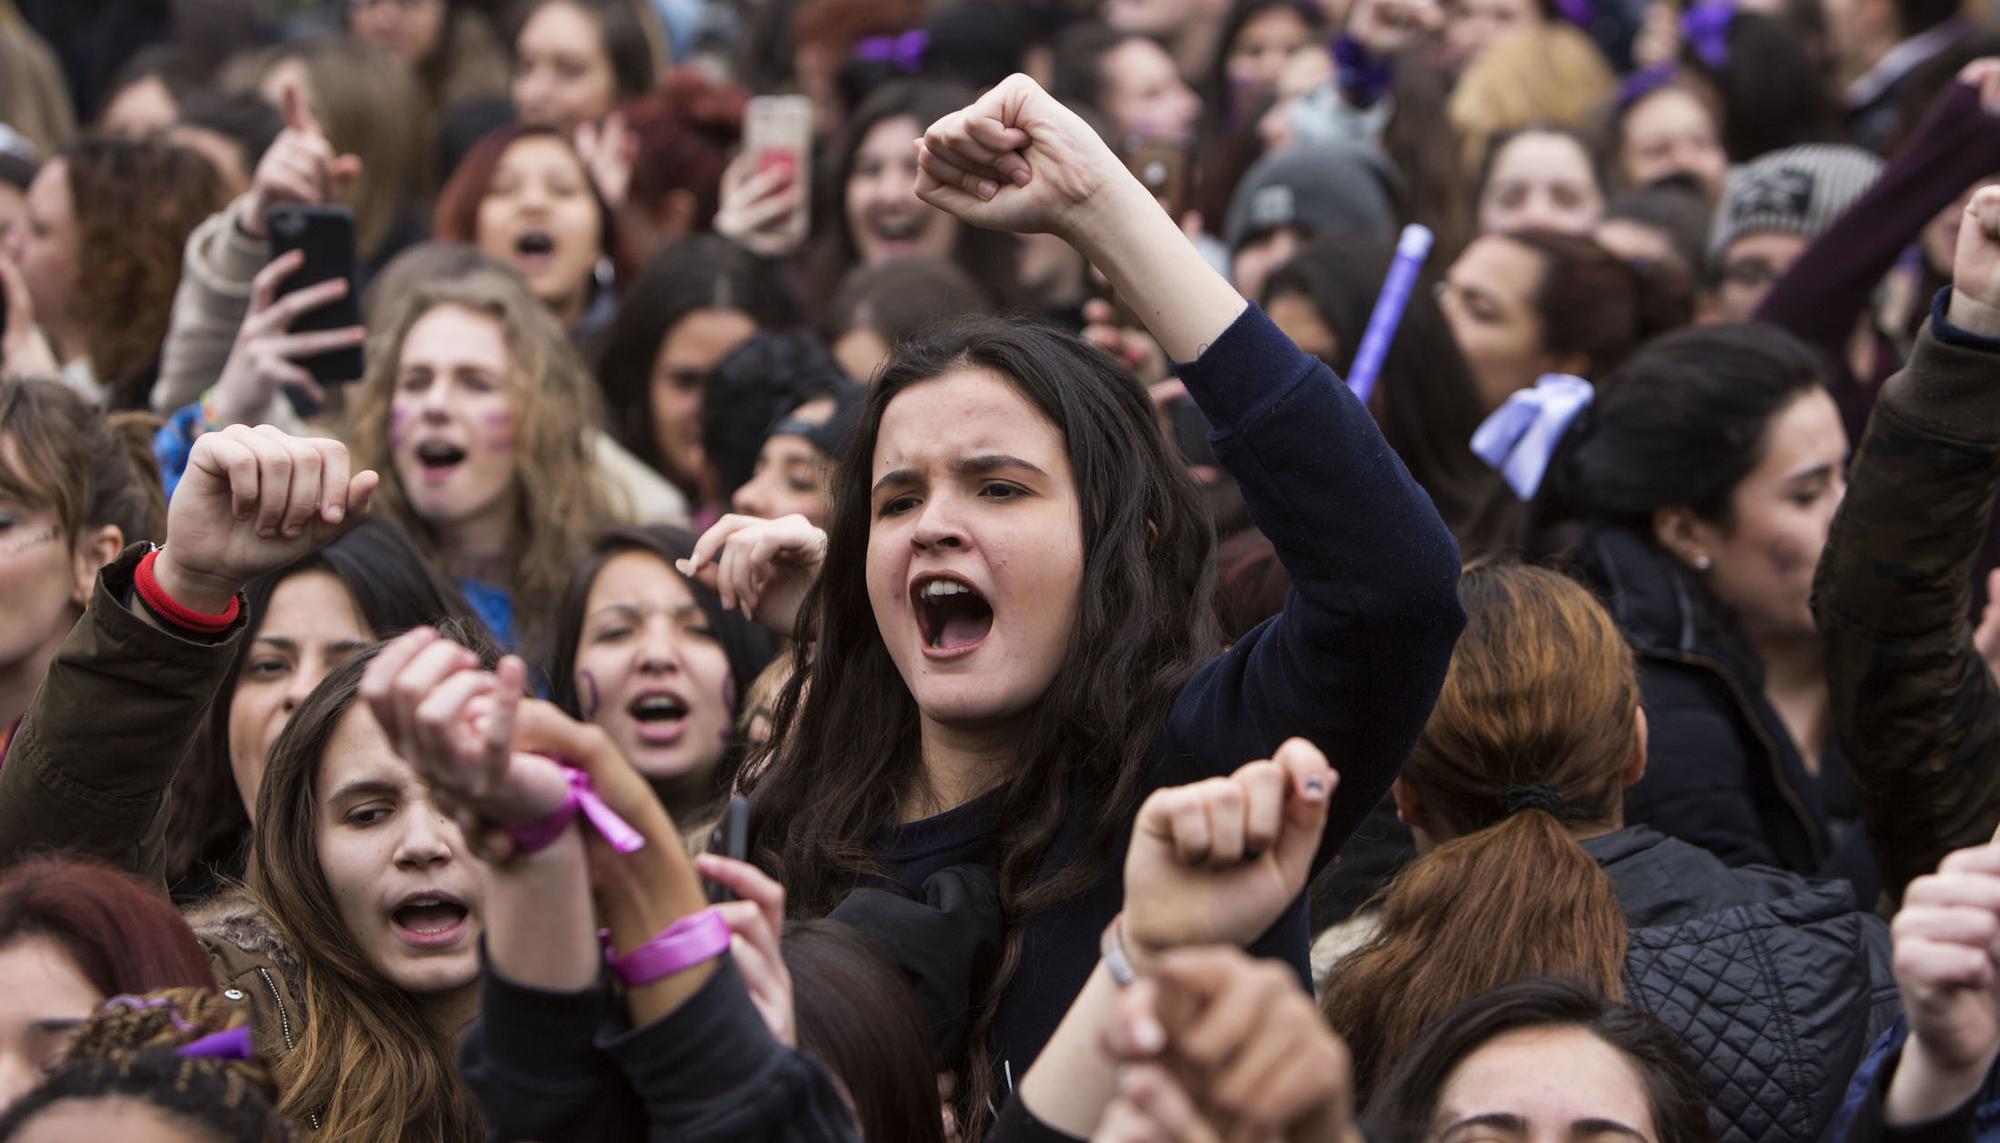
point(121, 704)
point(1915, 706)
point(1356, 658)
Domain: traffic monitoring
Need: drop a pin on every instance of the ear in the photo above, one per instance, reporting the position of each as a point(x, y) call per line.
point(1641, 733)
point(1409, 807)
point(1685, 536)
point(96, 550)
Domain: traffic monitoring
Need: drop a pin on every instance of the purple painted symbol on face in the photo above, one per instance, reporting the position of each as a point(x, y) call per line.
point(729, 709)
point(587, 694)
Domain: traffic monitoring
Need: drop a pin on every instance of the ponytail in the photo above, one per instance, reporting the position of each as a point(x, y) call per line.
point(1514, 900)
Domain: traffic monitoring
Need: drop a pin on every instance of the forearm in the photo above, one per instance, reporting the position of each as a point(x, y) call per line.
point(540, 930)
point(214, 292)
point(1185, 304)
point(642, 894)
point(1074, 1078)
point(1923, 1090)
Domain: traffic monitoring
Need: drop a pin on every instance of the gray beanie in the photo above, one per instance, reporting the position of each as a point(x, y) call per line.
point(1799, 190)
point(1321, 187)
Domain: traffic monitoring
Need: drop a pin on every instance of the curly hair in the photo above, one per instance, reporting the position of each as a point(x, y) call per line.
point(131, 1051)
point(563, 499)
point(135, 205)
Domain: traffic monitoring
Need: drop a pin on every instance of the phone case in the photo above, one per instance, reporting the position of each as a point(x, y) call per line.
point(777, 130)
point(326, 235)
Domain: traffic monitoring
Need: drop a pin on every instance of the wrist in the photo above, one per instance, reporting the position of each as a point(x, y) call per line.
point(1099, 226)
point(197, 591)
point(1926, 1088)
point(1973, 315)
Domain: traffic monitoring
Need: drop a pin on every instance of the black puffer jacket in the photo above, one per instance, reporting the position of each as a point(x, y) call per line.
point(1723, 772)
point(1777, 985)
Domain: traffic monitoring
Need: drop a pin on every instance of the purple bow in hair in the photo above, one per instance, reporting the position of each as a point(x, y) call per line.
point(231, 1045)
point(1578, 12)
point(905, 51)
point(1706, 28)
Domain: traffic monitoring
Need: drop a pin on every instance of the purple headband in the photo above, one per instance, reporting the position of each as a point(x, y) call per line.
point(1578, 12)
point(905, 51)
point(1645, 82)
point(1705, 27)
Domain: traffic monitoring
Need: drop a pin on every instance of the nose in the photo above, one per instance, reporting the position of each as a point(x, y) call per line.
point(18, 1076)
point(938, 527)
point(750, 500)
point(659, 647)
point(300, 685)
point(426, 840)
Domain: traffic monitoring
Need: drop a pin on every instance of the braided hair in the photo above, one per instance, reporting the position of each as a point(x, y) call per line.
point(134, 1050)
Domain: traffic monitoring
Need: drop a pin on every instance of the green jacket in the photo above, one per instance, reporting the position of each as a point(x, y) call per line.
point(1916, 708)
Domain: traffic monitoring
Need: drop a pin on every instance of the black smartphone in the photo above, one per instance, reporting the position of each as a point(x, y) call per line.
point(326, 235)
point(731, 839)
point(1191, 429)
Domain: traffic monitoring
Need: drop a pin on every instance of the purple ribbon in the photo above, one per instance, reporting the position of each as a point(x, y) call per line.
point(1645, 82)
point(1578, 12)
point(1521, 437)
point(615, 830)
point(231, 1045)
point(1705, 27)
point(905, 51)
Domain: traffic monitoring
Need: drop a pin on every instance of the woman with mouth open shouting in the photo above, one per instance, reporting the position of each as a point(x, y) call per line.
point(1009, 640)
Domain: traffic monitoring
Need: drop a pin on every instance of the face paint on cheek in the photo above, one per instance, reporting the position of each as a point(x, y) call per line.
point(399, 428)
point(587, 696)
point(500, 431)
point(728, 709)
point(29, 543)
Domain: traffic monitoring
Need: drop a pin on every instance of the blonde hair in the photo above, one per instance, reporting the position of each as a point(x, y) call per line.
point(564, 500)
point(1548, 74)
point(33, 100)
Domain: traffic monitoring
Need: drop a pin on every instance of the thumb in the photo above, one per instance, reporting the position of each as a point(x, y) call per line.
point(542, 728)
point(344, 170)
point(297, 113)
point(1306, 803)
point(1987, 637)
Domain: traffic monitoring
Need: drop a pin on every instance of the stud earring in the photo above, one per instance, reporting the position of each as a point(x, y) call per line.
point(1703, 563)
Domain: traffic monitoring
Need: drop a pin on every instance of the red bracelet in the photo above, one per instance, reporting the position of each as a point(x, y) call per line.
point(161, 604)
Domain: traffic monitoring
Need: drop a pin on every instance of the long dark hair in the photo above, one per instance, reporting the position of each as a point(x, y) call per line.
point(747, 646)
point(1680, 426)
point(1427, 402)
point(370, 1061)
point(393, 587)
point(845, 760)
point(698, 272)
point(1403, 1110)
point(855, 1010)
point(619, 33)
point(991, 257)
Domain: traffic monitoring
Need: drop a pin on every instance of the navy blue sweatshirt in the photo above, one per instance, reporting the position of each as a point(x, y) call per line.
point(1353, 662)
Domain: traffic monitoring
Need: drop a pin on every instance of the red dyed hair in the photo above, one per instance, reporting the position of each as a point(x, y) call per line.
point(457, 218)
point(686, 130)
point(124, 936)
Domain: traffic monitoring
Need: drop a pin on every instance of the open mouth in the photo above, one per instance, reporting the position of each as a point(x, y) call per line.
point(439, 458)
point(951, 614)
point(659, 717)
point(535, 250)
point(430, 918)
point(897, 227)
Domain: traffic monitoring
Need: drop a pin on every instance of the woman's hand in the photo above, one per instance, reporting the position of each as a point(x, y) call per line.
point(1222, 859)
point(1219, 1045)
point(1975, 293)
point(24, 352)
point(756, 924)
point(262, 360)
point(454, 724)
point(608, 150)
point(1135, 349)
point(250, 502)
point(1947, 937)
point(1018, 160)
point(758, 209)
point(762, 569)
point(299, 167)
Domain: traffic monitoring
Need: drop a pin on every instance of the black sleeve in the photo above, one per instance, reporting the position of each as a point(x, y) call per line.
point(1867, 1125)
point(711, 1071)
point(532, 1060)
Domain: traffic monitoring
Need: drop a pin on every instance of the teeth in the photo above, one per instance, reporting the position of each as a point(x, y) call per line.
point(943, 587)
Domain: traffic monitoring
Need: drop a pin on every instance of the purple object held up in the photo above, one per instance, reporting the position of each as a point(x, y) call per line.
point(231, 1045)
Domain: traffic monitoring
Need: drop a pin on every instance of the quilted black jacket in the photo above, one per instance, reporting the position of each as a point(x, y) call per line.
point(1777, 985)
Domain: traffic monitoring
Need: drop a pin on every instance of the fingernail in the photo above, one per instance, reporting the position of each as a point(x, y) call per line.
point(335, 513)
point(1148, 1036)
point(988, 188)
point(685, 567)
point(1020, 176)
point(1315, 788)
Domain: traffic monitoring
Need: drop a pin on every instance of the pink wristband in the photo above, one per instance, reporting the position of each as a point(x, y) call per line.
point(692, 940)
point(535, 836)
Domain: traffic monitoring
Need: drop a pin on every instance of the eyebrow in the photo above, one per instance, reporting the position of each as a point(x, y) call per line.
point(679, 611)
point(58, 1024)
point(292, 645)
point(1816, 472)
point(1507, 1121)
point(365, 788)
point(970, 466)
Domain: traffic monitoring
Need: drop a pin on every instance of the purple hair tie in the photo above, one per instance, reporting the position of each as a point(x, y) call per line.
point(905, 51)
point(1578, 12)
point(1705, 27)
point(233, 1044)
point(1645, 82)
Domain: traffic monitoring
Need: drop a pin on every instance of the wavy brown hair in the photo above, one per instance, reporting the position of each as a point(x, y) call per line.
point(1530, 740)
point(370, 1062)
point(563, 498)
point(135, 205)
point(845, 762)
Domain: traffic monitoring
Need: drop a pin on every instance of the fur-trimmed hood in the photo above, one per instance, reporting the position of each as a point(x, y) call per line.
point(253, 964)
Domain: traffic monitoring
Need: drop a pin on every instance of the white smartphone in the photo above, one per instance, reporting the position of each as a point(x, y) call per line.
point(777, 131)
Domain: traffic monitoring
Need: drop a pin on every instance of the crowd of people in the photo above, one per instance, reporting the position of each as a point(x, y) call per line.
point(1280, 571)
